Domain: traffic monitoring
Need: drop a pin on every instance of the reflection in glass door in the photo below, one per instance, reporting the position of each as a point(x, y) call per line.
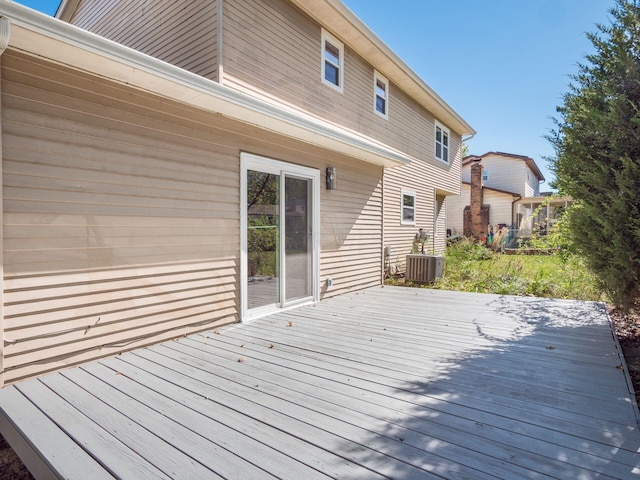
point(279, 241)
point(263, 238)
point(297, 235)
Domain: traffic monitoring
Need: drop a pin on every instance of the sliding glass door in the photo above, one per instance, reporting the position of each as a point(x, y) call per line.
point(279, 243)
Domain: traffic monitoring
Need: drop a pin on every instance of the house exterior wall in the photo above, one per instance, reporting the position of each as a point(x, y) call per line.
point(500, 211)
point(455, 207)
point(272, 50)
point(430, 181)
point(501, 207)
point(531, 185)
point(507, 173)
point(122, 227)
point(503, 173)
point(180, 33)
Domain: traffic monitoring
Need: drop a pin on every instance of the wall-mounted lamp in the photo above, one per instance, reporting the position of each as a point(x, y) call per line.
point(332, 178)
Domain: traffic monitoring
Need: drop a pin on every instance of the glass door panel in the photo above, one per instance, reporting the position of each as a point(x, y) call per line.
point(279, 244)
point(263, 239)
point(298, 249)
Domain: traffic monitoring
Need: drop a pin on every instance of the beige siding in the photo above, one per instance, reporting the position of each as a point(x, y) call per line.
point(351, 229)
point(178, 32)
point(501, 207)
point(504, 173)
point(121, 217)
point(500, 212)
point(273, 50)
point(425, 179)
point(440, 229)
point(455, 207)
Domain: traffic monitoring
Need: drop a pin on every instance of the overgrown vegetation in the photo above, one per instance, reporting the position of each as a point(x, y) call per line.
point(472, 267)
point(597, 146)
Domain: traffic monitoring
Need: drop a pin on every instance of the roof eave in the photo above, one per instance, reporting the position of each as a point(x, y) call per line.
point(59, 42)
point(531, 163)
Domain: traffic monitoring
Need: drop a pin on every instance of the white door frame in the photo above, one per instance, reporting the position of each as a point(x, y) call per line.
point(250, 161)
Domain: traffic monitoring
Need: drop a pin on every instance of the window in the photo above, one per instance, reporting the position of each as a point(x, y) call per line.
point(442, 143)
point(380, 95)
point(485, 175)
point(408, 208)
point(332, 61)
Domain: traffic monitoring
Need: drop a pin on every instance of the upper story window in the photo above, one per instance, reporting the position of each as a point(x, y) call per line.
point(332, 61)
point(380, 95)
point(485, 175)
point(408, 208)
point(442, 143)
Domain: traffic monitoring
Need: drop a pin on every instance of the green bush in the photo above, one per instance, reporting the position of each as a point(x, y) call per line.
point(471, 267)
point(597, 160)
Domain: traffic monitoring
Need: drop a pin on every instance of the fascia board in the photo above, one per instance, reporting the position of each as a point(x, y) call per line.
point(59, 42)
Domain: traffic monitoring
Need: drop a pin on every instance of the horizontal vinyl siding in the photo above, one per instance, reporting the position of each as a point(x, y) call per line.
point(424, 178)
point(121, 217)
point(500, 208)
point(115, 235)
point(501, 204)
point(178, 32)
point(503, 174)
point(351, 230)
point(272, 50)
point(455, 209)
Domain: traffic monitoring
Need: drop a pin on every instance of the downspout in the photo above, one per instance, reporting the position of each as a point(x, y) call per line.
point(220, 42)
point(5, 33)
point(513, 212)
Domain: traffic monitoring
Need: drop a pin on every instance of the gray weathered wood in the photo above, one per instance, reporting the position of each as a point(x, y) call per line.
point(385, 383)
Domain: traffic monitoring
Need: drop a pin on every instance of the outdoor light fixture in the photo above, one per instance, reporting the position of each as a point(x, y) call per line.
point(332, 178)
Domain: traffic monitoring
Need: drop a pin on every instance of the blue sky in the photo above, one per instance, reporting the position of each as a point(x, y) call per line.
point(503, 65)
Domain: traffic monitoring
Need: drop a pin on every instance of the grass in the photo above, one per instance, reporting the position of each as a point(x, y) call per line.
point(471, 267)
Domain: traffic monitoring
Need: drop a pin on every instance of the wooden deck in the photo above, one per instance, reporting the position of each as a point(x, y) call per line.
point(388, 383)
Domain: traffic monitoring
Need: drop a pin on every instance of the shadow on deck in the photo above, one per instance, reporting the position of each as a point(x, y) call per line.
point(388, 383)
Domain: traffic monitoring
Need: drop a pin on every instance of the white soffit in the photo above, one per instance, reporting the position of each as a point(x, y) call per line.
point(335, 16)
point(37, 34)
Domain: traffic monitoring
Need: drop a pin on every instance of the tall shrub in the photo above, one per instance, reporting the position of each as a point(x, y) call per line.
point(597, 161)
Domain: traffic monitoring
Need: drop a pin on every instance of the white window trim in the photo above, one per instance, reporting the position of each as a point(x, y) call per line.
point(435, 142)
point(377, 77)
point(327, 37)
point(404, 192)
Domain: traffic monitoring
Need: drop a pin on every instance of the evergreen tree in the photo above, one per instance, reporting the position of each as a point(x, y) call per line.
point(597, 162)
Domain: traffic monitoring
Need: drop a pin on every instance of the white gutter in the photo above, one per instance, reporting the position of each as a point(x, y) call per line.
point(38, 34)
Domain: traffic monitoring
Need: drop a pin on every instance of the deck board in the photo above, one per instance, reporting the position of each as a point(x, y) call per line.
point(385, 383)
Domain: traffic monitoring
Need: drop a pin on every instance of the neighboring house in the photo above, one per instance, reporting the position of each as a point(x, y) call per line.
point(505, 171)
point(510, 195)
point(206, 162)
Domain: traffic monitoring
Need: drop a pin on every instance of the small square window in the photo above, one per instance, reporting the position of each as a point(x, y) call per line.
point(408, 213)
point(442, 143)
point(332, 61)
point(380, 95)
